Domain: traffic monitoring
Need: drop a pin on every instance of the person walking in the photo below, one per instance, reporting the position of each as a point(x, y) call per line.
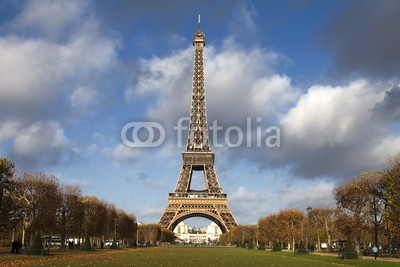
point(375, 251)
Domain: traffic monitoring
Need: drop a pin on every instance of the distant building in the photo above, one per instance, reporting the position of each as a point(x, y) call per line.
point(204, 235)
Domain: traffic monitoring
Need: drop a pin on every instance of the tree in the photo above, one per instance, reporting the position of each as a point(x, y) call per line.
point(241, 235)
point(37, 246)
point(361, 205)
point(126, 227)
point(95, 217)
point(70, 213)
point(391, 179)
point(7, 170)
point(373, 185)
point(167, 235)
point(291, 226)
point(111, 221)
point(38, 197)
point(321, 222)
point(351, 205)
point(267, 230)
point(288, 226)
point(149, 233)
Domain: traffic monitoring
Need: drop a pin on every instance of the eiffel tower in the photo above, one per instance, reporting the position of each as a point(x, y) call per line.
point(184, 202)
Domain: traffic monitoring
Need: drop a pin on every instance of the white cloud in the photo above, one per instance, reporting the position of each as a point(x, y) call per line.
point(41, 143)
point(28, 70)
point(275, 89)
point(84, 99)
point(37, 69)
point(332, 115)
point(385, 148)
point(149, 214)
point(302, 196)
point(8, 129)
point(335, 131)
point(242, 194)
point(162, 75)
point(242, 23)
point(52, 51)
point(88, 50)
point(176, 39)
point(50, 17)
point(121, 153)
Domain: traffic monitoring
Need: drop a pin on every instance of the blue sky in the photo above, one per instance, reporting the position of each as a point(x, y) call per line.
point(73, 73)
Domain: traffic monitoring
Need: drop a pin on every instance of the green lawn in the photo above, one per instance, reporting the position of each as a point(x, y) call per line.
point(185, 256)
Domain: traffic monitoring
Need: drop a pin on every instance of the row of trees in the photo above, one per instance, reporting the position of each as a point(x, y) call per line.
point(240, 235)
point(287, 228)
point(153, 234)
point(34, 203)
point(367, 211)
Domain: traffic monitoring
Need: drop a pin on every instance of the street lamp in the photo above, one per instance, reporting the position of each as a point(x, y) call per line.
point(308, 209)
point(115, 231)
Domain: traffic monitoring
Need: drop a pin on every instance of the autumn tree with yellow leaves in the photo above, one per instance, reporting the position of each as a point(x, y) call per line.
point(361, 206)
point(391, 179)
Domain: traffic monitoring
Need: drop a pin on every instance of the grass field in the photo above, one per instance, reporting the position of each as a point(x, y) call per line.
point(183, 256)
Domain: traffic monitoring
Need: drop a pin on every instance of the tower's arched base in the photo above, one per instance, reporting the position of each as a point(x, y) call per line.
point(214, 208)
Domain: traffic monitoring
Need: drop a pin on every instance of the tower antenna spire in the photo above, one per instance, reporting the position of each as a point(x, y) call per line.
point(198, 22)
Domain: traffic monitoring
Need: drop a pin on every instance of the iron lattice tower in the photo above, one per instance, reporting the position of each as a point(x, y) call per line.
point(184, 202)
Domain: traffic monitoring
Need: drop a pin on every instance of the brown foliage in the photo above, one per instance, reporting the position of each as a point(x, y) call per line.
point(38, 196)
point(240, 235)
point(149, 233)
point(360, 203)
point(391, 178)
point(288, 226)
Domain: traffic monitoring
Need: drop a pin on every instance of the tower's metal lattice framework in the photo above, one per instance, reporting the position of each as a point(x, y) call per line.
point(184, 202)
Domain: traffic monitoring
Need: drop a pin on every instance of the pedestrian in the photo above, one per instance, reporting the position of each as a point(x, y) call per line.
point(375, 251)
point(14, 245)
point(19, 246)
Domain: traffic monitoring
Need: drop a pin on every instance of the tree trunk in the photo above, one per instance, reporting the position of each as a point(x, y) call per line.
point(23, 231)
point(328, 235)
point(358, 244)
point(375, 224)
point(319, 243)
point(293, 244)
point(63, 229)
point(292, 236)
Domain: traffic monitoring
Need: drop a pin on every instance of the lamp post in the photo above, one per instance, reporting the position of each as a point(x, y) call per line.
point(115, 231)
point(308, 209)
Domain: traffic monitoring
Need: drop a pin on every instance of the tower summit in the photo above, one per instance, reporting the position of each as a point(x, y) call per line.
point(198, 127)
point(185, 202)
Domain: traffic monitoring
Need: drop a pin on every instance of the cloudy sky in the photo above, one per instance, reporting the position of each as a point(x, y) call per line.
point(73, 73)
